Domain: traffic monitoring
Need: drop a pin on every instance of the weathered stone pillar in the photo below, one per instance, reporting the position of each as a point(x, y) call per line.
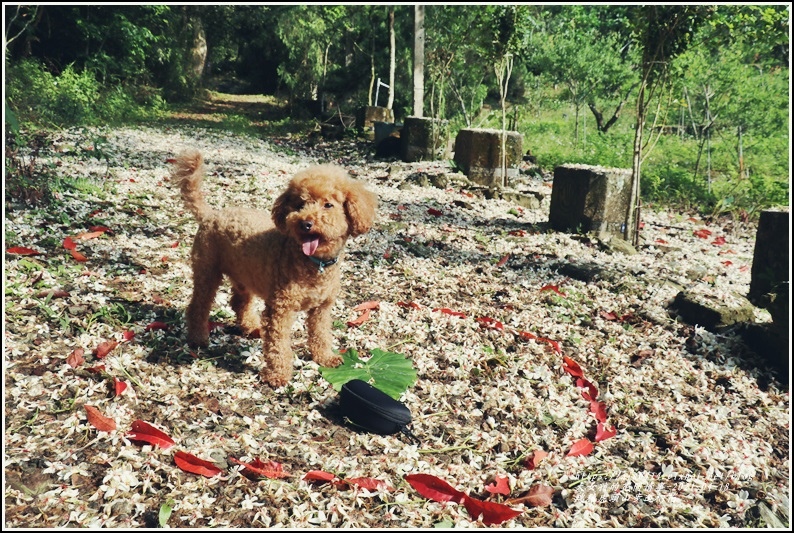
point(770, 280)
point(367, 116)
point(478, 153)
point(424, 139)
point(770, 256)
point(590, 199)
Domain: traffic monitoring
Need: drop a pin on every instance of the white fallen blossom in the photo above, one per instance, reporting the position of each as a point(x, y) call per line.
point(701, 427)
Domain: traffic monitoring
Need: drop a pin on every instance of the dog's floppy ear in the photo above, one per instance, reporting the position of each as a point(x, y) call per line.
point(281, 208)
point(360, 206)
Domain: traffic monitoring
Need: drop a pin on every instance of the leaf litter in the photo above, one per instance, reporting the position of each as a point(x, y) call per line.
point(694, 432)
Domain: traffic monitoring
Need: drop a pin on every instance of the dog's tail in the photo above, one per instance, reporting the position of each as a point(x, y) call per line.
point(188, 172)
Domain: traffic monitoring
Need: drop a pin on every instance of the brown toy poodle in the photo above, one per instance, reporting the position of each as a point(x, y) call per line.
point(289, 258)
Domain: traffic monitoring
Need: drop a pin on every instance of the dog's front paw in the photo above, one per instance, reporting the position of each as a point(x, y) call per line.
point(272, 379)
point(329, 359)
point(199, 339)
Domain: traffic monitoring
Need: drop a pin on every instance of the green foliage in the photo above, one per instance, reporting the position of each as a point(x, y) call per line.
point(165, 512)
point(71, 98)
point(390, 372)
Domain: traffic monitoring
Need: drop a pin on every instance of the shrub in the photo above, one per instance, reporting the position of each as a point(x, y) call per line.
point(74, 98)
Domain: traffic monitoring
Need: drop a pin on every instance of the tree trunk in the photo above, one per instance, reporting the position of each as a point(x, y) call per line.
point(392, 58)
point(741, 155)
point(503, 71)
point(371, 72)
point(419, 60)
point(632, 216)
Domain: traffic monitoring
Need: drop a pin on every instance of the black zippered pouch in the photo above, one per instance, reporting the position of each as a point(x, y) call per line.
point(373, 410)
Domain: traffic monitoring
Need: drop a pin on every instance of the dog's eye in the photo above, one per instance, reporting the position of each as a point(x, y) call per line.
point(328, 205)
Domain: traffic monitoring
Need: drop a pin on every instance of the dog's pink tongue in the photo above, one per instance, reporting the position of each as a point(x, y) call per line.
point(310, 246)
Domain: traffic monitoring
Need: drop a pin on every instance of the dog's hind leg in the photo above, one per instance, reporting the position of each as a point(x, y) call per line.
point(205, 286)
point(247, 318)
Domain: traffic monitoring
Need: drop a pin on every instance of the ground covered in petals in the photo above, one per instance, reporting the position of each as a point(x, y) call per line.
point(532, 377)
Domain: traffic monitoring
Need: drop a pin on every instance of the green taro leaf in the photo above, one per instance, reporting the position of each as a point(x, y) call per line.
point(390, 372)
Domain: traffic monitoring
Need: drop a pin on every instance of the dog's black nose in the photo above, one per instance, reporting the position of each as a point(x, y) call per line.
point(306, 225)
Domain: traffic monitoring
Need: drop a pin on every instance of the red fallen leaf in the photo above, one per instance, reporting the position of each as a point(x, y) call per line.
point(554, 344)
point(98, 369)
point(190, 463)
point(170, 160)
point(533, 462)
point(500, 485)
point(98, 420)
point(367, 305)
point(175, 245)
point(744, 268)
point(719, 241)
point(572, 367)
point(409, 305)
point(448, 311)
point(503, 260)
point(702, 233)
point(76, 358)
point(580, 447)
point(537, 496)
point(88, 235)
point(608, 315)
point(526, 335)
point(368, 483)
point(78, 256)
point(604, 433)
point(363, 317)
point(119, 385)
point(23, 250)
point(156, 325)
point(102, 229)
point(727, 263)
point(69, 244)
point(434, 488)
point(401, 207)
point(661, 241)
point(319, 475)
point(728, 251)
point(128, 335)
point(591, 393)
point(517, 233)
point(143, 431)
point(693, 219)
point(488, 322)
point(552, 288)
point(434, 212)
point(269, 469)
point(599, 409)
point(490, 513)
point(104, 348)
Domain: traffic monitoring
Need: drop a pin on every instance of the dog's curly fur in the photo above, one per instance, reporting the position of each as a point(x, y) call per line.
point(276, 257)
